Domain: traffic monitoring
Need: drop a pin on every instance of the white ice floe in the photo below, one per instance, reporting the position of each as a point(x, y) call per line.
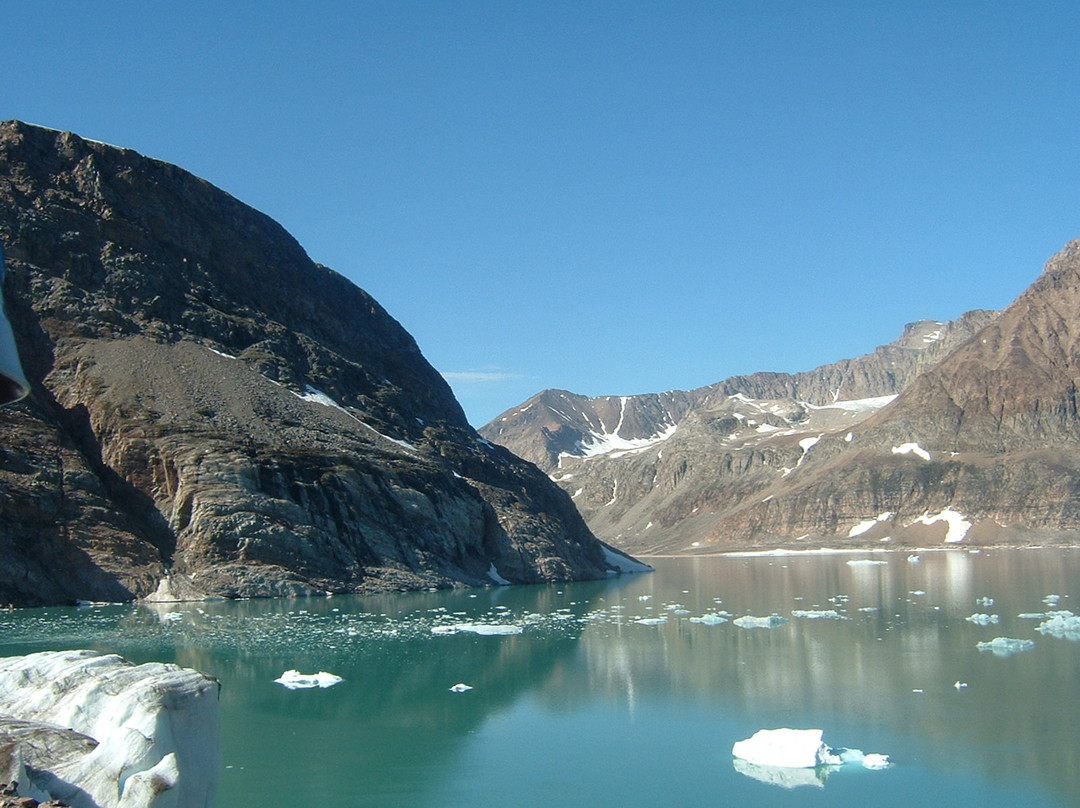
point(911, 448)
point(484, 629)
point(958, 524)
point(135, 736)
point(651, 621)
point(913, 559)
point(1006, 646)
point(1063, 624)
point(866, 562)
point(773, 752)
point(460, 687)
point(985, 602)
point(982, 619)
point(710, 619)
point(294, 680)
point(818, 614)
point(749, 621)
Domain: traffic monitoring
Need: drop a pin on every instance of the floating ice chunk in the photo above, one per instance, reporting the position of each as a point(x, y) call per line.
point(913, 559)
point(651, 621)
point(1051, 600)
point(959, 685)
point(865, 562)
point(787, 748)
point(799, 749)
point(709, 619)
point(294, 680)
point(1006, 646)
point(1062, 624)
point(818, 614)
point(911, 448)
point(985, 602)
point(460, 687)
point(485, 629)
point(493, 574)
point(749, 621)
point(981, 619)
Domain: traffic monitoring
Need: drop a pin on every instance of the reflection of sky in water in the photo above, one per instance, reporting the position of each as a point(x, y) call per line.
point(868, 652)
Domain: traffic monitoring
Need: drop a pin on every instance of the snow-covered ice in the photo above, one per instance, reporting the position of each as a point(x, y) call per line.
point(774, 751)
point(484, 629)
point(294, 680)
point(1063, 624)
point(958, 524)
point(461, 687)
point(911, 448)
point(818, 614)
point(156, 728)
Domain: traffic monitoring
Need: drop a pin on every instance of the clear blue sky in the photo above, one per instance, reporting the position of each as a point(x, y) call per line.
point(606, 197)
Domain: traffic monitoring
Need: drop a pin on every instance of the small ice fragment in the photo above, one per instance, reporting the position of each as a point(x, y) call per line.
point(294, 680)
point(710, 619)
point(460, 687)
point(1006, 646)
point(749, 621)
point(651, 621)
point(985, 602)
point(917, 690)
point(981, 619)
point(1051, 600)
point(913, 559)
point(866, 562)
point(484, 629)
point(875, 761)
point(958, 684)
point(818, 614)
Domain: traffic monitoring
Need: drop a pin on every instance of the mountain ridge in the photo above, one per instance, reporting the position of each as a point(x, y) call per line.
point(213, 413)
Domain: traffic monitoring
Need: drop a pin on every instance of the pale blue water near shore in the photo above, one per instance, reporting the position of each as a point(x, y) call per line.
point(576, 702)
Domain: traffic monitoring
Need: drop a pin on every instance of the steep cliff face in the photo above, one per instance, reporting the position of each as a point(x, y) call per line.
point(215, 414)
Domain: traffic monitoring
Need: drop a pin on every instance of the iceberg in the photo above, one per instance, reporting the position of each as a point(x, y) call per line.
point(484, 629)
point(134, 736)
point(981, 619)
point(709, 619)
point(294, 680)
point(1063, 624)
point(795, 757)
point(1005, 646)
point(461, 687)
point(749, 621)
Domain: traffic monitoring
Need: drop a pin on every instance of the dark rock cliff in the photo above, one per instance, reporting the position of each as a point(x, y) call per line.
point(212, 413)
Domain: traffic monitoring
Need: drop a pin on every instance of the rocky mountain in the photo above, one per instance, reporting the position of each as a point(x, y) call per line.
point(973, 439)
point(555, 424)
point(213, 413)
point(664, 472)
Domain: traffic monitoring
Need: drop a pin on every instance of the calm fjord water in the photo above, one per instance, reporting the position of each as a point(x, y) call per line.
point(577, 702)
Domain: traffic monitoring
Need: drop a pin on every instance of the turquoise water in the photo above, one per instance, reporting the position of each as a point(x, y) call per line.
point(583, 705)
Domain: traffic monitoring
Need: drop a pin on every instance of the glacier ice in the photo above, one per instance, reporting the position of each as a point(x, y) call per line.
point(294, 680)
point(485, 629)
point(461, 687)
point(1062, 624)
point(982, 619)
point(777, 756)
point(149, 732)
point(749, 621)
point(1006, 646)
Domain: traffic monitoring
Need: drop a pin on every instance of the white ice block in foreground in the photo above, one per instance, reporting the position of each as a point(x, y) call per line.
point(294, 680)
point(770, 754)
point(148, 733)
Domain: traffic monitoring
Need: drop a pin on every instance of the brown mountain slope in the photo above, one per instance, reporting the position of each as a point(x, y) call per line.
point(213, 413)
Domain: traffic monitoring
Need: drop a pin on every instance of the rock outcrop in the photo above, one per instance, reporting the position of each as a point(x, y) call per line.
point(94, 731)
point(212, 413)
